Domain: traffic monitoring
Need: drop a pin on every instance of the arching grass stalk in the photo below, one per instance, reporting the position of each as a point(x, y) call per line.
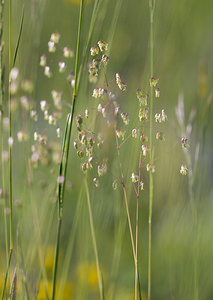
point(65, 155)
point(151, 156)
point(100, 279)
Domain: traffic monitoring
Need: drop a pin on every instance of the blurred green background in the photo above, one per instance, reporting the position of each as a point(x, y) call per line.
point(183, 62)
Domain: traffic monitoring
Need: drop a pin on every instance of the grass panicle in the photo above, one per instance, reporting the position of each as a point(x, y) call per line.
point(110, 232)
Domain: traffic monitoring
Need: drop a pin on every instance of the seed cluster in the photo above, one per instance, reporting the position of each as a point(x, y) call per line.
point(109, 109)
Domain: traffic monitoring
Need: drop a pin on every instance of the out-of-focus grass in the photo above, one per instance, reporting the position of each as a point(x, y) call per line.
point(183, 47)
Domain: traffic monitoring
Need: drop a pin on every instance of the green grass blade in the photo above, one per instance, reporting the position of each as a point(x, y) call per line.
point(61, 188)
point(6, 275)
point(12, 294)
point(64, 163)
point(151, 185)
point(139, 286)
point(19, 38)
point(96, 7)
point(65, 153)
point(70, 246)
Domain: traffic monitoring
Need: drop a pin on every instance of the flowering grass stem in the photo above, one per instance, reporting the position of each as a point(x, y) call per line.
point(137, 281)
point(100, 279)
point(151, 186)
point(124, 189)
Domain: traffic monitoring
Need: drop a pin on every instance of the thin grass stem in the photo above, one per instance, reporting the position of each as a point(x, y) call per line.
point(151, 186)
point(100, 279)
point(2, 104)
point(19, 38)
point(24, 281)
point(56, 257)
point(96, 7)
point(10, 133)
point(123, 184)
point(77, 56)
point(70, 246)
point(10, 156)
point(6, 275)
point(137, 283)
point(65, 154)
point(125, 200)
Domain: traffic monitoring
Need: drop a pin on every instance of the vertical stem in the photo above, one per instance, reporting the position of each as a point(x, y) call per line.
point(195, 224)
point(8, 256)
point(10, 156)
point(56, 257)
point(65, 154)
point(125, 197)
point(150, 234)
point(136, 231)
point(6, 275)
point(77, 52)
point(122, 181)
point(129, 222)
point(136, 248)
point(100, 281)
point(10, 132)
point(151, 7)
point(3, 189)
point(2, 128)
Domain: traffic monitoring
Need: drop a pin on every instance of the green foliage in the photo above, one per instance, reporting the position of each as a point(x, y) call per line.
point(135, 117)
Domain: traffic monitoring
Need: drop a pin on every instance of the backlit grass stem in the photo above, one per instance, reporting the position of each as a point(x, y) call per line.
point(10, 157)
point(123, 186)
point(137, 287)
point(100, 279)
point(61, 188)
point(96, 7)
point(151, 7)
point(2, 107)
point(10, 133)
point(6, 275)
point(65, 155)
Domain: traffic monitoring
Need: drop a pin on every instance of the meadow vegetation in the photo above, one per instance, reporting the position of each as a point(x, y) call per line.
point(106, 150)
